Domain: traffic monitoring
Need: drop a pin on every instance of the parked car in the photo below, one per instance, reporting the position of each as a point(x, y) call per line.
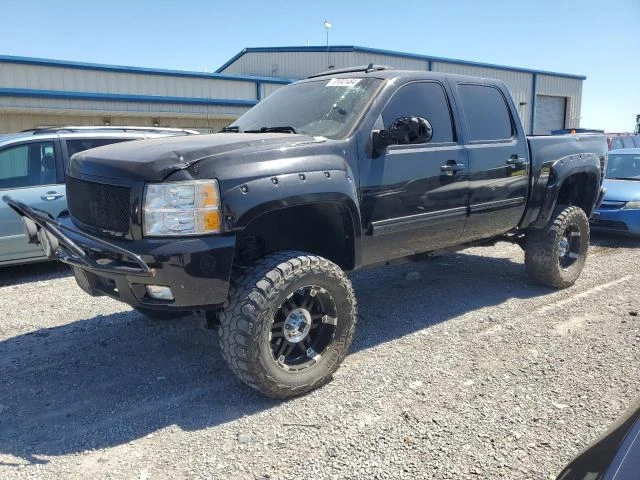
point(613, 456)
point(617, 141)
point(620, 209)
point(33, 165)
point(254, 227)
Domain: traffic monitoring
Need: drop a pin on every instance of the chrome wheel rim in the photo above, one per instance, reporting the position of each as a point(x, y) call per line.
point(569, 247)
point(303, 328)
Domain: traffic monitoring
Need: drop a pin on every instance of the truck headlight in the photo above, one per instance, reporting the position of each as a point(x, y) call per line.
point(181, 208)
point(634, 204)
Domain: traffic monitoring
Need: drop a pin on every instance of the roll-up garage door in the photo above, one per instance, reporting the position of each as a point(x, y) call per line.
point(550, 112)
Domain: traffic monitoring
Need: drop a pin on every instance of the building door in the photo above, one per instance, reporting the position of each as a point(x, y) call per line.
point(550, 114)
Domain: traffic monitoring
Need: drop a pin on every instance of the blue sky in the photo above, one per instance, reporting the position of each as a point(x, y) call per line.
point(598, 39)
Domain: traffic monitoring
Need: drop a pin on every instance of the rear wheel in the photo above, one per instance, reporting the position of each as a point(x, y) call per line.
point(289, 323)
point(555, 255)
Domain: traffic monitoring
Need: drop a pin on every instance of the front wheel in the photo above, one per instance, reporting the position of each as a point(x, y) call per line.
point(555, 255)
point(289, 323)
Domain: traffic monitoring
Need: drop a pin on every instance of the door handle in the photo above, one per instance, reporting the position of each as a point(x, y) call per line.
point(452, 167)
point(516, 162)
point(50, 196)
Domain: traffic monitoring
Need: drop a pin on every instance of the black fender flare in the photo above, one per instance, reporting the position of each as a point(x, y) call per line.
point(547, 186)
point(247, 201)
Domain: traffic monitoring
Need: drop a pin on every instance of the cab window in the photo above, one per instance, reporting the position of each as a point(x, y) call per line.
point(422, 99)
point(486, 113)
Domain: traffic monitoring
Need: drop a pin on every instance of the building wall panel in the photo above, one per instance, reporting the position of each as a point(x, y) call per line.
point(105, 108)
point(520, 84)
point(17, 122)
point(269, 88)
point(302, 64)
point(37, 77)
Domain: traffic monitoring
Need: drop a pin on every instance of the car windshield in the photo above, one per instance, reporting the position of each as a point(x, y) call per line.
point(328, 108)
point(624, 166)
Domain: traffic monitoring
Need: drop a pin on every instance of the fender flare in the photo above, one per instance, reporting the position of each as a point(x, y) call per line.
point(546, 188)
point(247, 201)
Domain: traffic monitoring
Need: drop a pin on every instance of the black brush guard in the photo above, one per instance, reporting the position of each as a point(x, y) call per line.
point(66, 250)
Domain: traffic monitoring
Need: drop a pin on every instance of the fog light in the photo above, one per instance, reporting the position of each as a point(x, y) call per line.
point(159, 292)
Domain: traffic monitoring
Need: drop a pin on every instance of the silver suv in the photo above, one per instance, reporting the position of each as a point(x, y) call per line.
point(33, 165)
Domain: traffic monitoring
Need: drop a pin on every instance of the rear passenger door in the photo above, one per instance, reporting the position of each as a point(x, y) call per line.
point(30, 172)
point(414, 196)
point(498, 161)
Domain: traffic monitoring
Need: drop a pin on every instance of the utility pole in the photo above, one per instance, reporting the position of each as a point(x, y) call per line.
point(327, 27)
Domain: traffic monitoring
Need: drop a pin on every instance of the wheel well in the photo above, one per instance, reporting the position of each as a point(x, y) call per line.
point(324, 229)
point(579, 189)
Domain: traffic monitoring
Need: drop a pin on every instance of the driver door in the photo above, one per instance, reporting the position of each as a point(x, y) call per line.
point(414, 196)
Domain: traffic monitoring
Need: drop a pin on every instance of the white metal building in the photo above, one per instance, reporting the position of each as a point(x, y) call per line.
point(41, 92)
point(546, 100)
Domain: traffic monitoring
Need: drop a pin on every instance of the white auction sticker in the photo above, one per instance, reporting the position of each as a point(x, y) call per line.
point(343, 82)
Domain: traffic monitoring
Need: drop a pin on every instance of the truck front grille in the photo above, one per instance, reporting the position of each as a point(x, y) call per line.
point(99, 205)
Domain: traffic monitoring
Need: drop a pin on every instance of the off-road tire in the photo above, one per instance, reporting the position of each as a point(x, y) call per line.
point(255, 296)
point(543, 248)
point(159, 315)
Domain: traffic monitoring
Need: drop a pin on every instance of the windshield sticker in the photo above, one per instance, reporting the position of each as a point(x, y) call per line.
point(343, 82)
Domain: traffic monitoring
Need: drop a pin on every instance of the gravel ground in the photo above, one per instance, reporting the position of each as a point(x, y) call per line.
point(461, 368)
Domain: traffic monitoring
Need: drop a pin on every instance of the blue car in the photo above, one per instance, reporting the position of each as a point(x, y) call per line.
point(33, 165)
point(620, 210)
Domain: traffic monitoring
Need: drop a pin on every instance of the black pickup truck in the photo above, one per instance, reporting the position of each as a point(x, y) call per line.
point(255, 226)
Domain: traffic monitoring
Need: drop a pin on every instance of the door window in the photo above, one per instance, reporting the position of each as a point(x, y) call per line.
point(486, 113)
point(424, 99)
point(28, 165)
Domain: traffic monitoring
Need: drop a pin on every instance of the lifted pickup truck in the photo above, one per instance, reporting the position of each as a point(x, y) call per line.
point(254, 227)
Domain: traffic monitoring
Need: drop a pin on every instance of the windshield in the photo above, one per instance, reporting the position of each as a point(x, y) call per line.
point(328, 108)
point(624, 166)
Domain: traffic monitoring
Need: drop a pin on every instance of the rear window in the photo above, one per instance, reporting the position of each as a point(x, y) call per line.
point(80, 145)
point(486, 113)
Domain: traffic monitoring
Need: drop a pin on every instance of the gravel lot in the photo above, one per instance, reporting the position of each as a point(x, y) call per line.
point(461, 368)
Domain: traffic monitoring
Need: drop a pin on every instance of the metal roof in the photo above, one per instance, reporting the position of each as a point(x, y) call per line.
point(353, 48)
point(143, 70)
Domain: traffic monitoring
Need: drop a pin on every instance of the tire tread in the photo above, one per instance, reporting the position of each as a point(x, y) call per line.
point(250, 291)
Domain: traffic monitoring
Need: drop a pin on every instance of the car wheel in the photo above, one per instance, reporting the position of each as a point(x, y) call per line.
point(288, 324)
point(555, 255)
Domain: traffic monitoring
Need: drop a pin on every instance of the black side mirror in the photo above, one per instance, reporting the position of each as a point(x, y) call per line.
point(403, 131)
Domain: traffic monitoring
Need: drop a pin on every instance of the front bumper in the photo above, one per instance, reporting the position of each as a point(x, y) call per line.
point(622, 221)
point(196, 269)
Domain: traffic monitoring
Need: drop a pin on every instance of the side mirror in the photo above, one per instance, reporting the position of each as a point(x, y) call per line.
point(402, 131)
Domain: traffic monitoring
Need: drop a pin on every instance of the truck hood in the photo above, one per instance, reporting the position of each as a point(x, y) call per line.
point(153, 160)
point(622, 190)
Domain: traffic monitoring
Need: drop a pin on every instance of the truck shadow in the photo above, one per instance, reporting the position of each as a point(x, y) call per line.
point(609, 240)
point(30, 272)
point(113, 379)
